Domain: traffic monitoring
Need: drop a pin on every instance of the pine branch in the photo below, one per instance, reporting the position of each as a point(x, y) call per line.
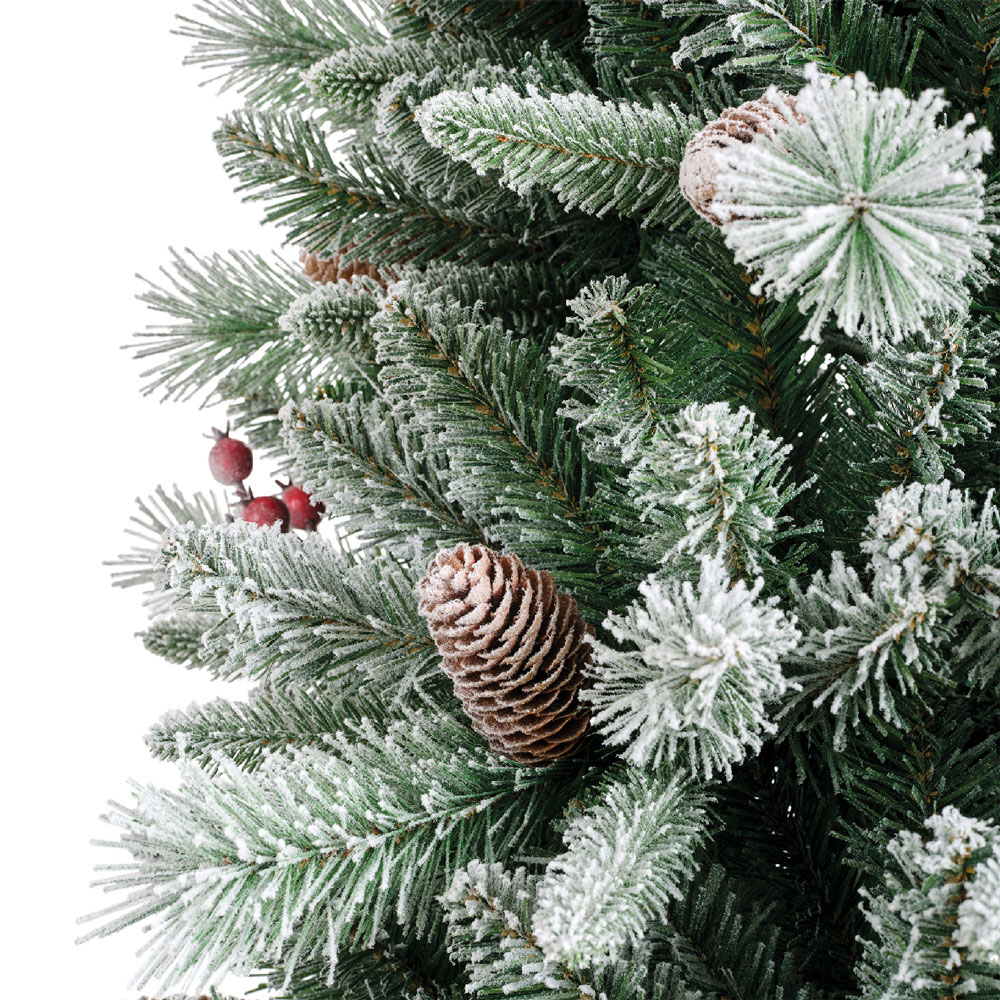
point(445, 180)
point(491, 405)
point(937, 927)
point(324, 848)
point(729, 479)
point(350, 80)
point(193, 640)
point(382, 973)
point(561, 23)
point(899, 415)
point(249, 733)
point(879, 229)
point(773, 42)
point(158, 513)
point(377, 467)
point(625, 857)
point(867, 642)
point(260, 47)
point(489, 920)
point(629, 367)
point(362, 202)
point(232, 328)
point(527, 298)
point(768, 366)
point(698, 674)
point(632, 45)
point(305, 613)
point(598, 156)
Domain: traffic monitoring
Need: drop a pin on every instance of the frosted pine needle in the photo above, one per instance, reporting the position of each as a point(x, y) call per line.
point(698, 669)
point(868, 209)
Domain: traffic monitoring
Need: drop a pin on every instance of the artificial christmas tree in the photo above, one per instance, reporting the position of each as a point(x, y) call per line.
point(650, 644)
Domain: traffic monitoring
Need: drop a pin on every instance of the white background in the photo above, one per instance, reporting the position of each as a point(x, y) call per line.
point(107, 161)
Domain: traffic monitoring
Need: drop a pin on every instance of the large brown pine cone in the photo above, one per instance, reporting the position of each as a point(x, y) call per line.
point(734, 127)
point(514, 648)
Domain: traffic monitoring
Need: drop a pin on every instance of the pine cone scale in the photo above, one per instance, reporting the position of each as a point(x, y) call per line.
point(514, 648)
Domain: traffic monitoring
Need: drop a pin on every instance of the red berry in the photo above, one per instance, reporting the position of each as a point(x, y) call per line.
point(230, 461)
point(266, 511)
point(305, 514)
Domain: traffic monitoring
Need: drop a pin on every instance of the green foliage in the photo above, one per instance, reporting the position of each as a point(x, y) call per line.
point(272, 722)
point(630, 368)
point(491, 405)
point(325, 847)
point(869, 640)
point(351, 79)
point(227, 329)
point(728, 946)
point(329, 205)
point(384, 972)
point(372, 463)
point(158, 513)
point(599, 156)
point(694, 672)
point(900, 415)
point(528, 299)
point(626, 856)
point(558, 22)
point(181, 638)
point(927, 941)
point(261, 46)
point(727, 480)
point(304, 613)
point(489, 920)
point(772, 43)
point(569, 365)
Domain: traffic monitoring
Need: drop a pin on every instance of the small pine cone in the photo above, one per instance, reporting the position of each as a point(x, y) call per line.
point(326, 269)
point(734, 126)
point(514, 648)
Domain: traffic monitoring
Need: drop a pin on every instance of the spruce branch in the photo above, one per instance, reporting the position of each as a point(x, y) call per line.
point(863, 207)
point(528, 298)
point(868, 641)
point(350, 80)
point(596, 156)
point(247, 733)
point(191, 639)
point(558, 22)
point(489, 913)
point(901, 414)
point(362, 203)
point(626, 856)
point(776, 40)
point(937, 925)
point(694, 672)
point(233, 316)
point(377, 467)
point(629, 367)
point(305, 613)
point(492, 405)
point(729, 478)
point(325, 848)
point(331, 319)
point(385, 972)
point(440, 177)
point(157, 514)
point(261, 47)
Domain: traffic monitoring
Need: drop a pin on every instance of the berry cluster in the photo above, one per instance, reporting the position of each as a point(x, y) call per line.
point(231, 462)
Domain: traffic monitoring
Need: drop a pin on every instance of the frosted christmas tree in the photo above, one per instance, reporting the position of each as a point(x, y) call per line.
point(628, 625)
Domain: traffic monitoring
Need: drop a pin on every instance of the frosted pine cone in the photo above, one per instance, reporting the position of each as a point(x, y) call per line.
point(734, 126)
point(326, 269)
point(514, 648)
